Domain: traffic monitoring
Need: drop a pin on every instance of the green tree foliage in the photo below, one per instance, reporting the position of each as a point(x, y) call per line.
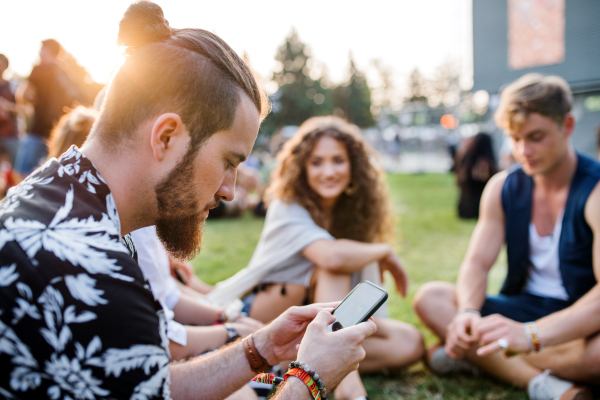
point(299, 96)
point(353, 100)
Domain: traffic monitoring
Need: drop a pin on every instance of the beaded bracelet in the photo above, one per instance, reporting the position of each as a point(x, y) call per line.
point(533, 335)
point(309, 377)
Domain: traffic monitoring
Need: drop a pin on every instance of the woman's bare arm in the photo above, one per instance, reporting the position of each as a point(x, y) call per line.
point(345, 256)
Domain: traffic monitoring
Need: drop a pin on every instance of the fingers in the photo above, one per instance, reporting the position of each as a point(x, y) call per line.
point(363, 330)
point(489, 349)
point(322, 320)
point(489, 322)
point(332, 305)
point(310, 312)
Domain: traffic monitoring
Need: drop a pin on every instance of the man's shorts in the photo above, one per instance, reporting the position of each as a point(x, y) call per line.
point(522, 307)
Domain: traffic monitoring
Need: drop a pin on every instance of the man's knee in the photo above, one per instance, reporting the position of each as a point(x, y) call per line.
point(591, 358)
point(430, 295)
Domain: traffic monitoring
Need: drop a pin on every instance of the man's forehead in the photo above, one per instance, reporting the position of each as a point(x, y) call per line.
point(532, 124)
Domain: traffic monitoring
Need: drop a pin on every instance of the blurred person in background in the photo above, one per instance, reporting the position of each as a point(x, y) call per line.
point(9, 131)
point(325, 231)
point(547, 211)
point(50, 90)
point(72, 129)
point(475, 166)
point(598, 142)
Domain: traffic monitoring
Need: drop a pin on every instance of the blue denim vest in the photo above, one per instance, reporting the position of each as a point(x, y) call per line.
point(576, 238)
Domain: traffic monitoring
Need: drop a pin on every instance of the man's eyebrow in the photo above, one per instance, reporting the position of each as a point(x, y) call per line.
point(531, 133)
point(528, 134)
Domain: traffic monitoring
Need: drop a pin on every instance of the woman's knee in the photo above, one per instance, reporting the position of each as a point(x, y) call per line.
point(406, 344)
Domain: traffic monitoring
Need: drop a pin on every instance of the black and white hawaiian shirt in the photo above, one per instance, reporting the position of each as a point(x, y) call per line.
point(77, 318)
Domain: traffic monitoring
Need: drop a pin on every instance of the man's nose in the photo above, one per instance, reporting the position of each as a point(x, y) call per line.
point(526, 148)
point(226, 191)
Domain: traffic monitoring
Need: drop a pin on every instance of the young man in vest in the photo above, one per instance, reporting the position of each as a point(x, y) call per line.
point(547, 211)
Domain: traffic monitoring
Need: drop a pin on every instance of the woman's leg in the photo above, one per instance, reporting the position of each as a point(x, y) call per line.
point(275, 299)
point(334, 287)
point(395, 345)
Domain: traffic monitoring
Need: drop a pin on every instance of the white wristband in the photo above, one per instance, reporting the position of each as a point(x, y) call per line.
point(468, 311)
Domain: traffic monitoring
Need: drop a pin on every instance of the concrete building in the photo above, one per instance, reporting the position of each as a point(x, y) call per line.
point(552, 37)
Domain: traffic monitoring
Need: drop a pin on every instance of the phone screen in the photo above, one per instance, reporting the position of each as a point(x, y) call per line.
point(360, 304)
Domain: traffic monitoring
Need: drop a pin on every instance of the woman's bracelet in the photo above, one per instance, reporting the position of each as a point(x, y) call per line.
point(309, 377)
point(230, 312)
point(232, 333)
point(221, 317)
point(533, 334)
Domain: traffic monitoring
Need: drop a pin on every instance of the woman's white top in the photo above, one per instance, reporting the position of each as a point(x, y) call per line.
point(544, 273)
point(278, 258)
point(154, 263)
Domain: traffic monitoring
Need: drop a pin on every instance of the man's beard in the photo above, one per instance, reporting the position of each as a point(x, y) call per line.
point(180, 221)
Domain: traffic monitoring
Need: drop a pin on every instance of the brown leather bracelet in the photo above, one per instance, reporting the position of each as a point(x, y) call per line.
point(257, 363)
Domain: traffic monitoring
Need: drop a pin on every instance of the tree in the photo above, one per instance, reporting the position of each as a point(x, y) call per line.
point(301, 95)
point(353, 99)
point(445, 84)
point(417, 87)
point(384, 92)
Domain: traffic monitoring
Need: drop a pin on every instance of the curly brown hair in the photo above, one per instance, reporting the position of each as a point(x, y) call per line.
point(362, 215)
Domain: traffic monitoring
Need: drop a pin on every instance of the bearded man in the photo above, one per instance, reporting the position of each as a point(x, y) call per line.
point(77, 318)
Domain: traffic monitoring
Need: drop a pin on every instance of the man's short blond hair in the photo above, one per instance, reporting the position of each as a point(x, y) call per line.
point(549, 96)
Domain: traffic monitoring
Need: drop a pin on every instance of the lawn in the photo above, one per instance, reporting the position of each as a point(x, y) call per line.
point(431, 241)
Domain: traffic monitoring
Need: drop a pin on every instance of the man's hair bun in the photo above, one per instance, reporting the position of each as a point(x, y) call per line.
point(143, 23)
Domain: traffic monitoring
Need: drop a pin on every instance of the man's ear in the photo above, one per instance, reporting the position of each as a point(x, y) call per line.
point(568, 124)
point(167, 129)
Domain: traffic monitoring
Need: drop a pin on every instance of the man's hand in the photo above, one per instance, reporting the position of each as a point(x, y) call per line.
point(392, 263)
point(278, 341)
point(333, 355)
point(461, 334)
point(496, 327)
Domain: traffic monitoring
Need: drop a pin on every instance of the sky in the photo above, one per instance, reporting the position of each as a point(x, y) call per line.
point(401, 34)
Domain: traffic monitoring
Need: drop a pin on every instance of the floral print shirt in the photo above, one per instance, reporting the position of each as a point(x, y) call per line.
point(77, 317)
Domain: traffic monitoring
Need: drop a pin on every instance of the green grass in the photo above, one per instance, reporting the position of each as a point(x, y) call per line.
point(431, 241)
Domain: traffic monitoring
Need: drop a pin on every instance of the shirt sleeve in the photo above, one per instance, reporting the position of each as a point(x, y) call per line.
point(154, 263)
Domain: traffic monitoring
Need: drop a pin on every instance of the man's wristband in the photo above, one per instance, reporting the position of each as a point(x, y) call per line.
point(533, 334)
point(468, 311)
point(257, 363)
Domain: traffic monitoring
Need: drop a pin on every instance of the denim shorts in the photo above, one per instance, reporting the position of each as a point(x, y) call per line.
point(522, 307)
point(248, 303)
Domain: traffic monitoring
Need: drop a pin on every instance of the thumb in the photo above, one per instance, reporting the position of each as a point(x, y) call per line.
point(323, 319)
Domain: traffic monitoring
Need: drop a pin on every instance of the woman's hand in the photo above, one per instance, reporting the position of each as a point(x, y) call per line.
point(392, 263)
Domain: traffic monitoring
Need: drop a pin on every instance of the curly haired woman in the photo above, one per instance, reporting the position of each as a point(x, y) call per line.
point(325, 231)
